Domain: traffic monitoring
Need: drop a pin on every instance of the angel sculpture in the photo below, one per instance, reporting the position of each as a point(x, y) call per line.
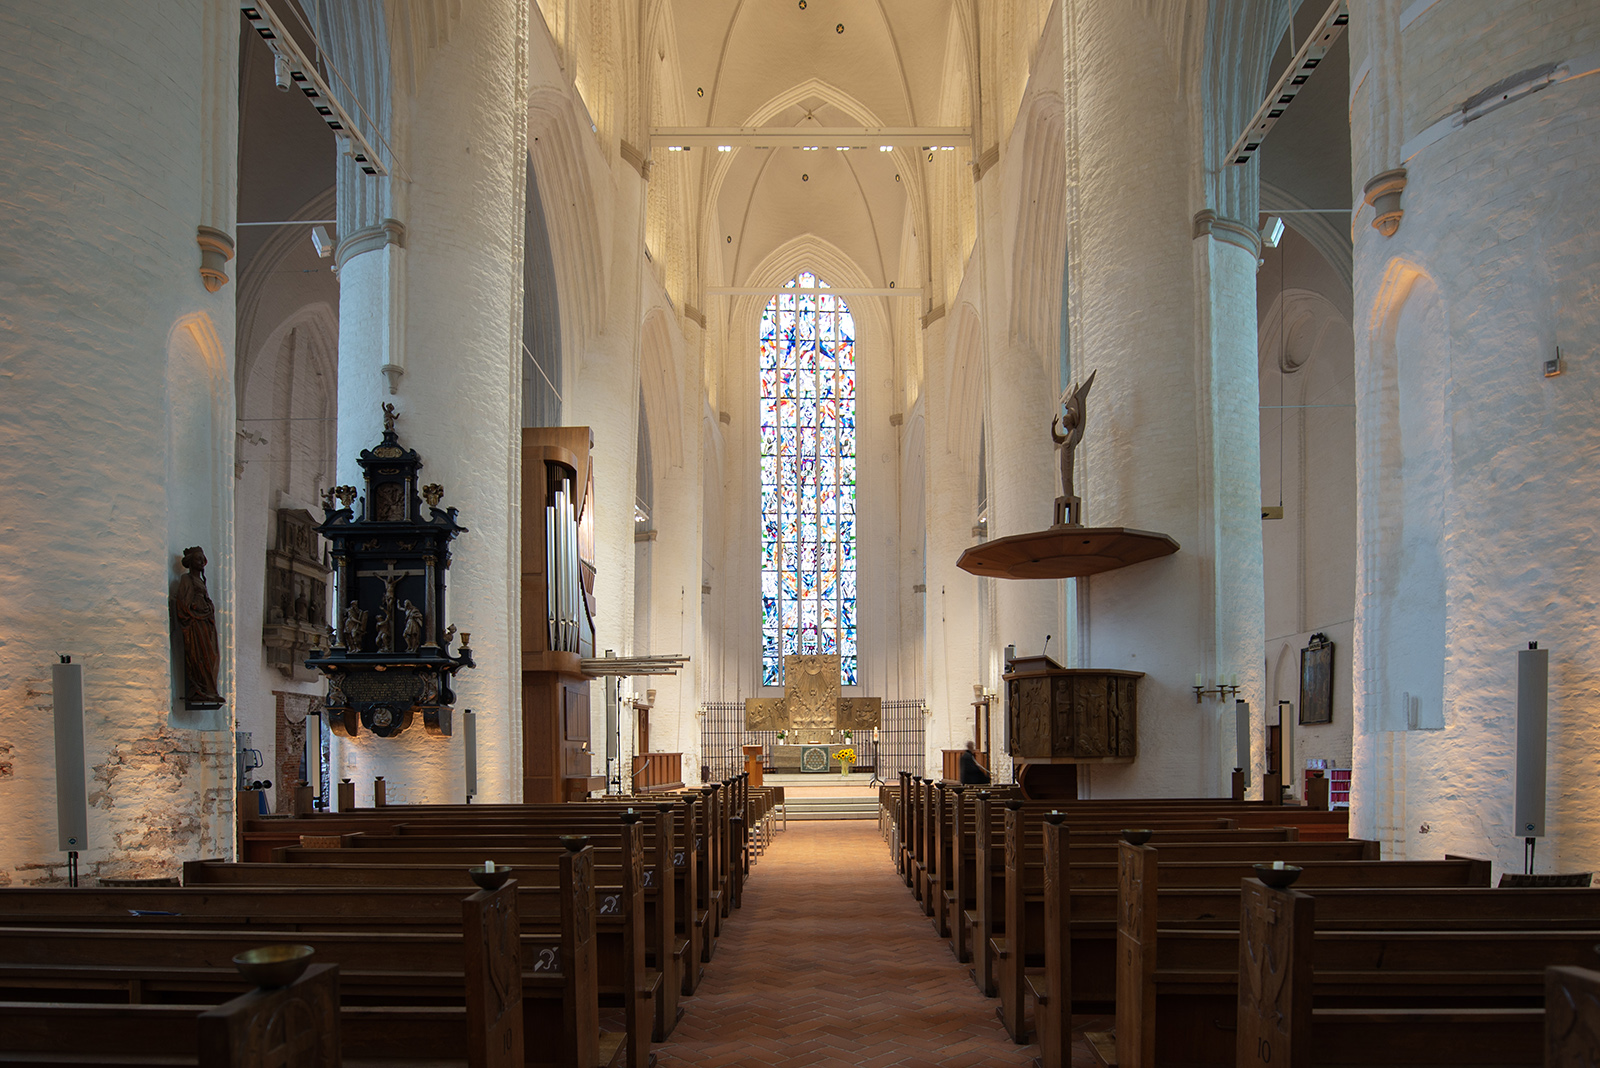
point(1066, 430)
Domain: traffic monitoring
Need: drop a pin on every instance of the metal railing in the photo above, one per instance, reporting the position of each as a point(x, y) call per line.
point(899, 746)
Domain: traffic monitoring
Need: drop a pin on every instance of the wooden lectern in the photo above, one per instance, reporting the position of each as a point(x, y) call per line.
point(1062, 717)
point(752, 763)
point(557, 613)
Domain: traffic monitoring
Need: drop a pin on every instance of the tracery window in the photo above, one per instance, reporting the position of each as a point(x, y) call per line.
point(808, 478)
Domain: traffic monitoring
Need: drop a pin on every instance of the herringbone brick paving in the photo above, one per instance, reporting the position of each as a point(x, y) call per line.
point(831, 962)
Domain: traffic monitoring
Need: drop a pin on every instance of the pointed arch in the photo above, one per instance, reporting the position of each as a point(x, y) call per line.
point(964, 389)
point(560, 149)
point(1040, 246)
point(659, 384)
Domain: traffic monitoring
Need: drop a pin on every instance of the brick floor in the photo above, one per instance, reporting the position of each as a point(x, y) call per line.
point(831, 962)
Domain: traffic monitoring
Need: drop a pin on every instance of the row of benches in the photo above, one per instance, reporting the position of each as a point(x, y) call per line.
point(615, 902)
point(1414, 962)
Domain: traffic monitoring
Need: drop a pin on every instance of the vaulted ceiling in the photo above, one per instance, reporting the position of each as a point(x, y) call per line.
point(820, 63)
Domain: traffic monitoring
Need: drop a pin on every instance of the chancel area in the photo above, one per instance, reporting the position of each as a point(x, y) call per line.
point(479, 406)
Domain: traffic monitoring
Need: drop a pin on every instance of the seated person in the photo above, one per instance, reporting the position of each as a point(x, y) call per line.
point(972, 773)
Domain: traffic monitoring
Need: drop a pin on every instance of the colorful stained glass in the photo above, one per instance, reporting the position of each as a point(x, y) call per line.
point(808, 475)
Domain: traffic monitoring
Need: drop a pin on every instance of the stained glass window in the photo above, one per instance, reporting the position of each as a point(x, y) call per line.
point(808, 478)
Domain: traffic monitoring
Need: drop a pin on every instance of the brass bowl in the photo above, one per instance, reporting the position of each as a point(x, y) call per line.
point(490, 880)
point(1277, 878)
point(272, 966)
point(1136, 835)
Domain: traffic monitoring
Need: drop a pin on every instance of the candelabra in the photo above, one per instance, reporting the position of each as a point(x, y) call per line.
point(1221, 691)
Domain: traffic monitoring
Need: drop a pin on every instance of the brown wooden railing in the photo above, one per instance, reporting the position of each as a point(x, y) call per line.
point(657, 771)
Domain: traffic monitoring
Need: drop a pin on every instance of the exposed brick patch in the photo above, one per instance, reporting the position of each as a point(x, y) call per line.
point(7, 765)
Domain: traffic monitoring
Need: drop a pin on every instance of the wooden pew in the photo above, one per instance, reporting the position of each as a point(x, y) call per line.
point(558, 957)
point(616, 894)
point(698, 833)
point(414, 974)
point(978, 870)
point(986, 920)
point(261, 836)
point(1445, 995)
point(960, 880)
point(223, 1036)
point(1189, 974)
point(1571, 1016)
point(459, 845)
point(1022, 948)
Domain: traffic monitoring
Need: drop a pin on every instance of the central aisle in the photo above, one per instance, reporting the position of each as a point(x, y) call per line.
point(831, 962)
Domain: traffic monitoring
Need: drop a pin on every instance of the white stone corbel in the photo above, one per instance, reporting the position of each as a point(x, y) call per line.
point(1382, 193)
point(1209, 223)
point(216, 249)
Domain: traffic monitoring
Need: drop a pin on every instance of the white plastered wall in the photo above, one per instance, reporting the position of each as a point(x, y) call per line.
point(455, 286)
point(1476, 471)
point(108, 334)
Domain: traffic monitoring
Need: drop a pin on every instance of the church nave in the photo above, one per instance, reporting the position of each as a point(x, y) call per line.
point(831, 962)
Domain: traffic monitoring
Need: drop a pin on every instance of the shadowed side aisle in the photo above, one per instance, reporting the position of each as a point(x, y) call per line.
point(830, 962)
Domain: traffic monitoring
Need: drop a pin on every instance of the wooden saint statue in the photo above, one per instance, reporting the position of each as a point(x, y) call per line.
point(197, 621)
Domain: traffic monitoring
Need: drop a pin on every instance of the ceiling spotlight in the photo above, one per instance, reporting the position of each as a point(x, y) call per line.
point(885, 148)
point(1272, 231)
point(700, 91)
point(280, 72)
point(321, 241)
point(839, 28)
point(724, 148)
point(802, 5)
point(805, 177)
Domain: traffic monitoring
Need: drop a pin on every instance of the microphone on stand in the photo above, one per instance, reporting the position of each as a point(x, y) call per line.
point(1046, 650)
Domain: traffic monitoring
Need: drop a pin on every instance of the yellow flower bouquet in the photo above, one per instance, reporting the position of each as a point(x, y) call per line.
point(845, 756)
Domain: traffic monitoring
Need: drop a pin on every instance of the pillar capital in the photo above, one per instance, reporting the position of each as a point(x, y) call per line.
point(1229, 231)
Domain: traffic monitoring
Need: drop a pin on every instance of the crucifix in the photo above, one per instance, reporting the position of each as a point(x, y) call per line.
point(384, 631)
point(811, 700)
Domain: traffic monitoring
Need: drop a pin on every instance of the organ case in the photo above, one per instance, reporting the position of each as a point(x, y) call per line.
point(558, 608)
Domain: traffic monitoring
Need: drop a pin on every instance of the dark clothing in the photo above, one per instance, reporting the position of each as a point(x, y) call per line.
point(972, 773)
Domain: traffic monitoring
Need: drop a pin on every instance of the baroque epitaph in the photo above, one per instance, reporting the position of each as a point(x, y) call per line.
point(389, 659)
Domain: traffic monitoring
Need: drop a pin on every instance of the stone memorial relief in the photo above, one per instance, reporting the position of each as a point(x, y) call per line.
point(297, 595)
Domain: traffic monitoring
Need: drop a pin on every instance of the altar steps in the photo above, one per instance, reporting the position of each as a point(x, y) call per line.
point(831, 808)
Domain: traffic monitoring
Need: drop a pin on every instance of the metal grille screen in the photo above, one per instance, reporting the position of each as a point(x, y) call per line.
point(898, 748)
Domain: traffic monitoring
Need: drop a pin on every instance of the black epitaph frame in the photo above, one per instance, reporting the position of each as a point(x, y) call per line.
point(1316, 681)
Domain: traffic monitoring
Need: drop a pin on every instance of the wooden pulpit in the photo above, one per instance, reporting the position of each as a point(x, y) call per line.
point(1062, 717)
